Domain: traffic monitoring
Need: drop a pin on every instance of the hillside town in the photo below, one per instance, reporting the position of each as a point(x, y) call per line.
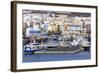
point(59, 31)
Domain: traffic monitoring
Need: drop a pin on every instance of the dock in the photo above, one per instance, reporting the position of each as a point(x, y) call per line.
point(60, 50)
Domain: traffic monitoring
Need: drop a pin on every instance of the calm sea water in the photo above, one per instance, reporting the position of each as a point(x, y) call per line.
point(56, 57)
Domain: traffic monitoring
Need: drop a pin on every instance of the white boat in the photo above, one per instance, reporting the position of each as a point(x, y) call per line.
point(33, 47)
